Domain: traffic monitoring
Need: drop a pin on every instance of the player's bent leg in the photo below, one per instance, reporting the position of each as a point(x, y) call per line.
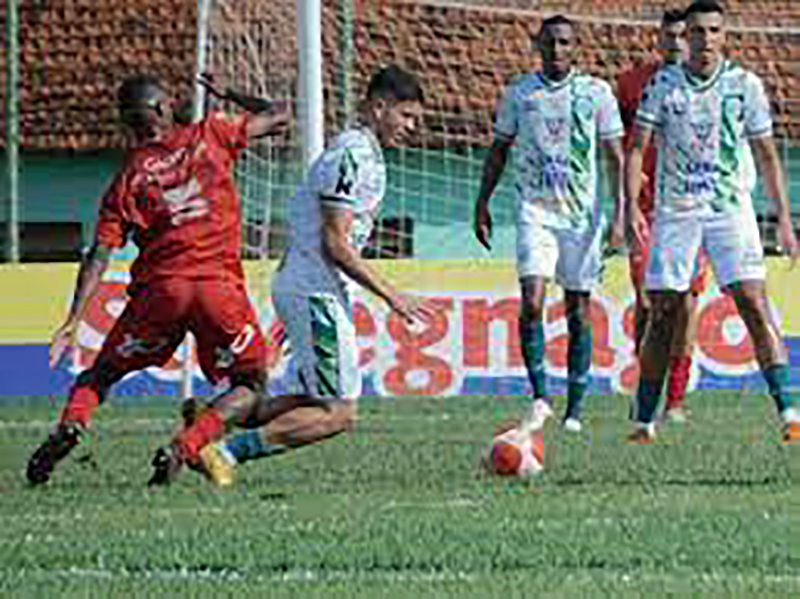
point(304, 425)
point(751, 301)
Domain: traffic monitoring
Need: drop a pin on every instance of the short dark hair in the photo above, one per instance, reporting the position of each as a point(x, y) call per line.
point(556, 20)
point(138, 88)
point(395, 83)
point(675, 15)
point(704, 7)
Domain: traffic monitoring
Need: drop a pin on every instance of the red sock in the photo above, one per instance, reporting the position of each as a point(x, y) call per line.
point(80, 406)
point(680, 368)
point(209, 427)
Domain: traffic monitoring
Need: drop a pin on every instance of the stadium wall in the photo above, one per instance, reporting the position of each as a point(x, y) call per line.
point(469, 348)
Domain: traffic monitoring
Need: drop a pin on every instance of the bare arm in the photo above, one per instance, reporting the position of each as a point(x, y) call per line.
point(268, 117)
point(91, 271)
point(633, 182)
point(493, 168)
point(336, 227)
point(614, 156)
point(769, 165)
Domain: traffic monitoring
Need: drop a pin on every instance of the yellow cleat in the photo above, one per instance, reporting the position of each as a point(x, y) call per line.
point(218, 465)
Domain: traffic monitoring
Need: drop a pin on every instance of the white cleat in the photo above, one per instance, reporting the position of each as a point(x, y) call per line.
point(572, 425)
point(538, 413)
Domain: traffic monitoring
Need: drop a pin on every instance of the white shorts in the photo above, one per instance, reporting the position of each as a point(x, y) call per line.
point(571, 256)
point(323, 349)
point(730, 238)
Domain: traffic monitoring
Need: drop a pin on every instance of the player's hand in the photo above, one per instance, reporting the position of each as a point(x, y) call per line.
point(788, 240)
point(280, 114)
point(638, 229)
point(412, 309)
point(483, 224)
point(63, 342)
point(207, 81)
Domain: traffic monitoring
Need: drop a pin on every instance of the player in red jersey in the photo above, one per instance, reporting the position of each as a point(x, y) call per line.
point(176, 198)
point(630, 85)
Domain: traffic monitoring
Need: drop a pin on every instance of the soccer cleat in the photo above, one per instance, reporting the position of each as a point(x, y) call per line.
point(678, 415)
point(58, 445)
point(167, 463)
point(218, 464)
point(644, 434)
point(572, 425)
point(790, 418)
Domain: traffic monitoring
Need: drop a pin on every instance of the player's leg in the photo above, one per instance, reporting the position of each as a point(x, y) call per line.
point(578, 271)
point(325, 361)
point(683, 341)
point(537, 255)
point(673, 254)
point(146, 334)
point(637, 267)
point(734, 247)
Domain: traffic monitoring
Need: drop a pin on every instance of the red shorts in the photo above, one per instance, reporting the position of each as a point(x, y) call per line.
point(158, 316)
point(639, 256)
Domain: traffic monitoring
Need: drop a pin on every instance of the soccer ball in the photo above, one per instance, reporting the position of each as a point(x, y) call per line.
point(515, 452)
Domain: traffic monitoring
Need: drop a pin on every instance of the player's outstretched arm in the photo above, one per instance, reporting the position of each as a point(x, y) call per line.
point(493, 168)
point(636, 222)
point(269, 117)
point(91, 271)
point(336, 226)
point(769, 165)
point(614, 161)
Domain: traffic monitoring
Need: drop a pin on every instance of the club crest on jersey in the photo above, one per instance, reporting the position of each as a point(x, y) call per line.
point(556, 127)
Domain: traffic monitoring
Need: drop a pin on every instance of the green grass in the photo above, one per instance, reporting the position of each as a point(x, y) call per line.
point(400, 509)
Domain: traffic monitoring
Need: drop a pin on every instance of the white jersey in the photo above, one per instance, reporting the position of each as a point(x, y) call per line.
point(349, 175)
point(703, 129)
point(555, 126)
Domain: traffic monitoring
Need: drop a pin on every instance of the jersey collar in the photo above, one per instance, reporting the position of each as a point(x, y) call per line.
point(552, 85)
point(701, 84)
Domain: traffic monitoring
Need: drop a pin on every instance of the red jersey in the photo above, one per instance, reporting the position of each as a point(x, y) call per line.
point(177, 198)
point(630, 85)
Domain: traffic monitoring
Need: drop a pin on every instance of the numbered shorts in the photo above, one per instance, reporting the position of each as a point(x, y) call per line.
point(571, 256)
point(323, 349)
point(158, 316)
point(639, 256)
point(730, 239)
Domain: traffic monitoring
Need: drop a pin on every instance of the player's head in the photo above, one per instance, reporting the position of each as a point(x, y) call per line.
point(144, 106)
point(394, 104)
point(672, 37)
point(705, 27)
point(557, 42)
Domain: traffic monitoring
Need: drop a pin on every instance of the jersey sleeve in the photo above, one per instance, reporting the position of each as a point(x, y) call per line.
point(506, 122)
point(114, 215)
point(340, 172)
point(757, 115)
point(649, 115)
point(609, 123)
point(229, 129)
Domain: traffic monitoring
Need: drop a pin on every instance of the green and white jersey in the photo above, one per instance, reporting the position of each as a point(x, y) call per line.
point(703, 128)
point(555, 127)
point(349, 175)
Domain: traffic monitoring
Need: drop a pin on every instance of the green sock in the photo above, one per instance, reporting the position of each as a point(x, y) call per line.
point(531, 338)
point(250, 445)
point(579, 362)
point(777, 377)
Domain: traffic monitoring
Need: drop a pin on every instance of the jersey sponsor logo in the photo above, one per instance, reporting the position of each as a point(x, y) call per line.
point(159, 164)
point(700, 178)
point(556, 128)
point(348, 172)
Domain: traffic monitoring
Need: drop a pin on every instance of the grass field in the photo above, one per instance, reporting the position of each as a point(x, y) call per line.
point(400, 509)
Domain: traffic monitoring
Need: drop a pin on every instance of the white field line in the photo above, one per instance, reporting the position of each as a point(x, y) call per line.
point(225, 575)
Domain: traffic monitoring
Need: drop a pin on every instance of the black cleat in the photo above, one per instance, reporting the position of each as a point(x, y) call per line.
point(167, 463)
point(58, 445)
